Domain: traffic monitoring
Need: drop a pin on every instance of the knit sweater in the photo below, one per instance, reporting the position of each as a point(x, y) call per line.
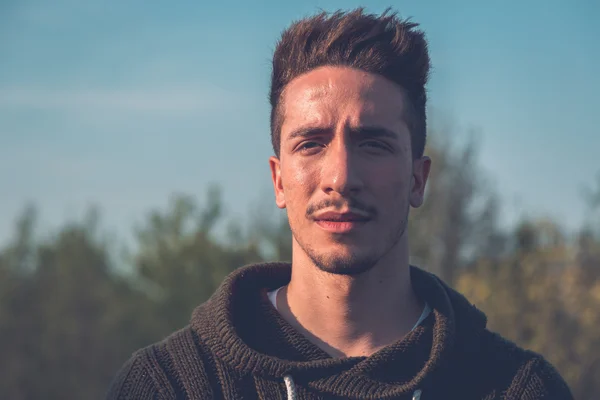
point(237, 346)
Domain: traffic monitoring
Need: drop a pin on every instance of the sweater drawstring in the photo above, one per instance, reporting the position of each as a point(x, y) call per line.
point(290, 386)
point(291, 389)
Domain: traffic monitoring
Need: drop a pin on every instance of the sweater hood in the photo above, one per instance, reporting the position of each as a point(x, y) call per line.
point(241, 327)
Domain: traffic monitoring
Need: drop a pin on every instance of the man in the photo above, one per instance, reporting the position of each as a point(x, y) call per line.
point(349, 318)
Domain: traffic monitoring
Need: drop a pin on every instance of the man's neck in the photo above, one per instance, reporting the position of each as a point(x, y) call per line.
point(351, 315)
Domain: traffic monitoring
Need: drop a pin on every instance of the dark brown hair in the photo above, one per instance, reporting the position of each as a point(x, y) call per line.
point(385, 45)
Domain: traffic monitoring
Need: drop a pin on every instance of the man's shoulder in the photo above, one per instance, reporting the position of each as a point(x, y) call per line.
point(160, 368)
point(159, 352)
point(523, 372)
point(498, 348)
point(184, 339)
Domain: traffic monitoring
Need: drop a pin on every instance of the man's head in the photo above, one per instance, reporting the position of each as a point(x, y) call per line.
point(348, 130)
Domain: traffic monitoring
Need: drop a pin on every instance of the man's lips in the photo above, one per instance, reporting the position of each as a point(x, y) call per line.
point(342, 216)
point(340, 222)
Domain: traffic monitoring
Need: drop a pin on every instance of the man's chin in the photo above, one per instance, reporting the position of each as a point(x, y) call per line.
point(344, 265)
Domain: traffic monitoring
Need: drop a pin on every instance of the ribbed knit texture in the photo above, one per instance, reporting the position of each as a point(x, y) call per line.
point(238, 347)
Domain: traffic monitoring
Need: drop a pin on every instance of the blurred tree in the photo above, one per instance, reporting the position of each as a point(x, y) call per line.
point(67, 323)
point(69, 317)
point(181, 261)
point(458, 221)
point(269, 230)
point(540, 298)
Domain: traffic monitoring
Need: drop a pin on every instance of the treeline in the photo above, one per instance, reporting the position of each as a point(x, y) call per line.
point(73, 307)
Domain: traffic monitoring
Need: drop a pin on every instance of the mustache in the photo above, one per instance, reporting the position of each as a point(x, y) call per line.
point(338, 204)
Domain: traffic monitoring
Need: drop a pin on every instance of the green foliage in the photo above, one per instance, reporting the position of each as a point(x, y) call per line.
point(66, 322)
point(545, 296)
point(69, 316)
point(179, 260)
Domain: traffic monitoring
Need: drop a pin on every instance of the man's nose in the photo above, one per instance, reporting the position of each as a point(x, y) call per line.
point(340, 172)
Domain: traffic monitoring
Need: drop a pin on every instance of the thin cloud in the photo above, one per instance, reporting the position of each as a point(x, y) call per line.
point(170, 100)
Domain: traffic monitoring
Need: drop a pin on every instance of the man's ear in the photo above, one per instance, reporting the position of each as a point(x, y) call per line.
point(421, 168)
point(275, 165)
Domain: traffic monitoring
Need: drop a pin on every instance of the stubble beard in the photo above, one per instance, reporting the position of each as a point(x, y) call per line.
point(354, 263)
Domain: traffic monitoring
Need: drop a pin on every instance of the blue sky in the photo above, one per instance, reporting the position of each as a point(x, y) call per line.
point(122, 103)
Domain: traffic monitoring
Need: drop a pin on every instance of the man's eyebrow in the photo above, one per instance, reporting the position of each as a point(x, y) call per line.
point(362, 131)
point(373, 132)
point(307, 132)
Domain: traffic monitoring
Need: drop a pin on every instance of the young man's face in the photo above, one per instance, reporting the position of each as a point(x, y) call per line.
point(345, 171)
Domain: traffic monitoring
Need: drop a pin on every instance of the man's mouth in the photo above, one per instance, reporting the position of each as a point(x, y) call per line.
point(344, 216)
point(341, 222)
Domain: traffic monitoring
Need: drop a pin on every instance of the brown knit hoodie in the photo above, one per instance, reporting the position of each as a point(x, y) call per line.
point(238, 347)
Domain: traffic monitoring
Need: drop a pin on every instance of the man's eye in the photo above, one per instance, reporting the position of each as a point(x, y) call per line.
point(308, 146)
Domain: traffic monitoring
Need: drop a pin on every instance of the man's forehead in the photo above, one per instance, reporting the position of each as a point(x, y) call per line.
point(336, 85)
point(305, 93)
point(355, 114)
point(318, 105)
point(328, 81)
